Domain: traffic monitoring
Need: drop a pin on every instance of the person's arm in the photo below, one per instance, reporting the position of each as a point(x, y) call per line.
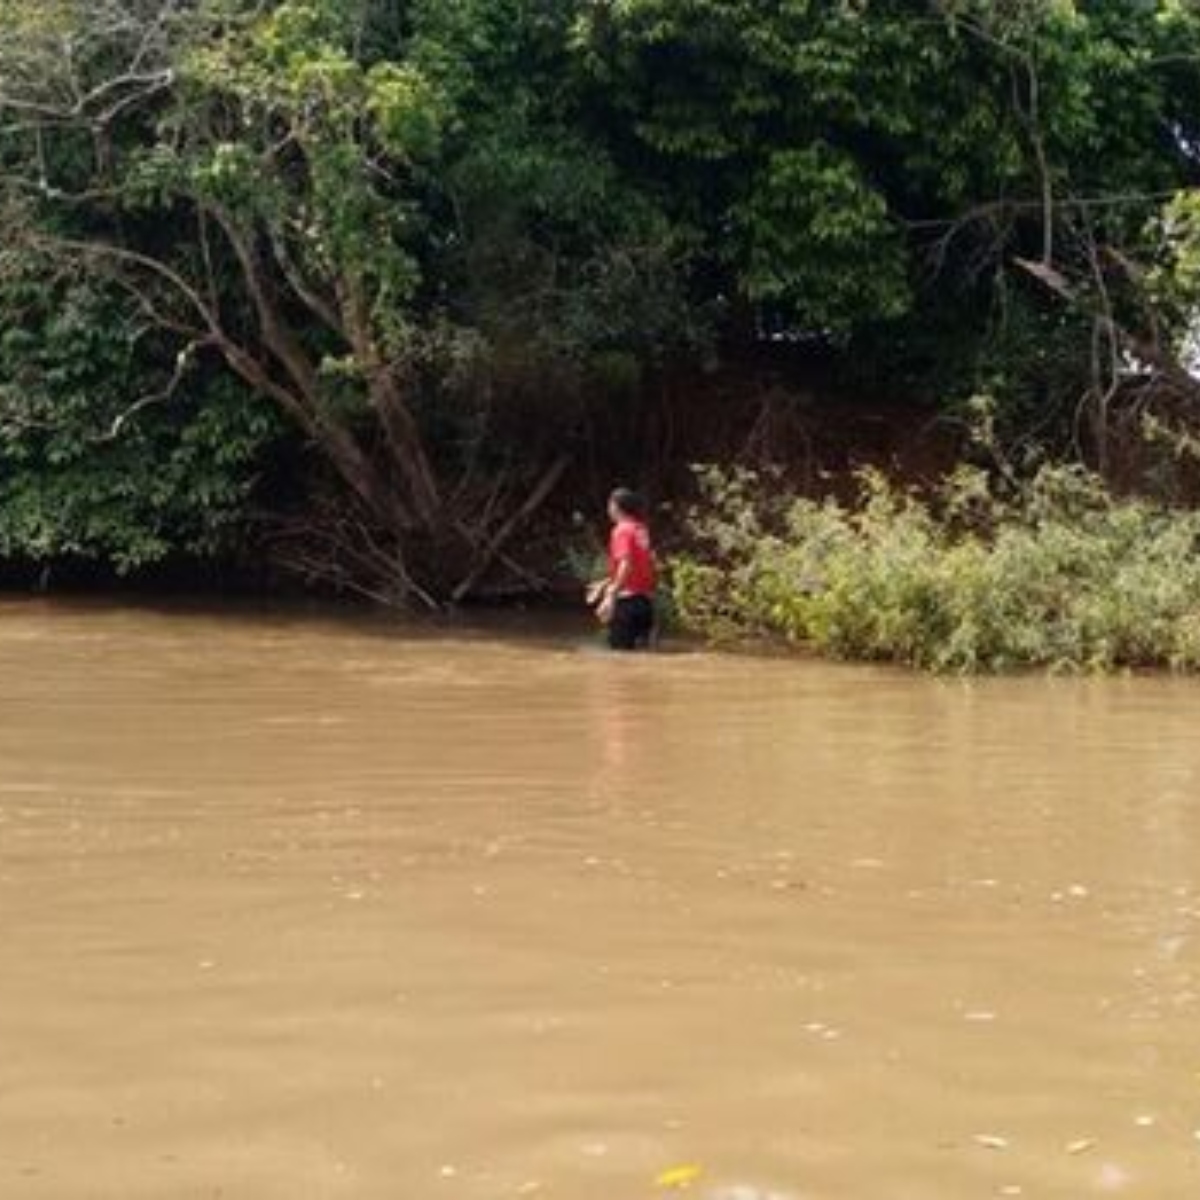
point(613, 588)
point(603, 594)
point(616, 585)
point(606, 590)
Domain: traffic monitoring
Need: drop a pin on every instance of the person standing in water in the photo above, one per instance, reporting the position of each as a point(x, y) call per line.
point(624, 599)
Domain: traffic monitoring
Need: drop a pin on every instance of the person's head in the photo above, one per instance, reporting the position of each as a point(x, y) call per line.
point(626, 505)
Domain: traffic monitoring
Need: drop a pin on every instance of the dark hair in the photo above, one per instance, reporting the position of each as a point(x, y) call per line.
point(628, 503)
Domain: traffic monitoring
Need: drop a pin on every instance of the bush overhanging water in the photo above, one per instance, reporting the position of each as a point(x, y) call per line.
point(976, 576)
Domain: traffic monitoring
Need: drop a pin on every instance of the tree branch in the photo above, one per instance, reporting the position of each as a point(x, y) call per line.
point(540, 494)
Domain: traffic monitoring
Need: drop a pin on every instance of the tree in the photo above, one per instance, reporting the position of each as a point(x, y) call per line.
point(352, 206)
point(112, 451)
point(875, 173)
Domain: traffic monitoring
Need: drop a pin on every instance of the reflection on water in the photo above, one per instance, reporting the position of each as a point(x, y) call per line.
point(299, 908)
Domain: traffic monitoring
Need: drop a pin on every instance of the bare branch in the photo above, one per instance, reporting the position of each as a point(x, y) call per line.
point(323, 309)
point(144, 262)
point(540, 494)
point(183, 363)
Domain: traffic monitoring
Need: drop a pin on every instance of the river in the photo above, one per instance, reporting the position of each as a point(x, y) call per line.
point(295, 906)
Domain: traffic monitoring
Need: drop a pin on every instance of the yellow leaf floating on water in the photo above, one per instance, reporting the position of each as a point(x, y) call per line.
point(679, 1177)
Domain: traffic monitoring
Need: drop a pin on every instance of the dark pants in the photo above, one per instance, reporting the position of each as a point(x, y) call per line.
point(632, 624)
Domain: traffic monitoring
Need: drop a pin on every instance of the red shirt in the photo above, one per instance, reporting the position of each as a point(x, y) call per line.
point(631, 540)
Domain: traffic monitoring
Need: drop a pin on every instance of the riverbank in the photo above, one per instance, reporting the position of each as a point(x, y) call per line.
point(771, 409)
point(970, 576)
point(882, 551)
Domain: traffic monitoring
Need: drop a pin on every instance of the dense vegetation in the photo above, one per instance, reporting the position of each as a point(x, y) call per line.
point(1052, 571)
point(362, 283)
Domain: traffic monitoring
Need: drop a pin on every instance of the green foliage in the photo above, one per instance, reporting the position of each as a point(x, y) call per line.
point(90, 469)
point(817, 234)
point(560, 259)
point(1175, 278)
point(285, 128)
point(870, 171)
point(1057, 574)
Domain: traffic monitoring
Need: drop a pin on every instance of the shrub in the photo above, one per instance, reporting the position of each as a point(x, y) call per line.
point(1056, 572)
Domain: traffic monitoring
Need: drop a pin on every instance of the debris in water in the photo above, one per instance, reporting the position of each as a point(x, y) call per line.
point(682, 1176)
point(1082, 1146)
point(1145, 1121)
point(448, 1172)
point(991, 1141)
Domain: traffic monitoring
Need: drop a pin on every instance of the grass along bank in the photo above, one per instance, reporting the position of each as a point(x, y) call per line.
point(978, 576)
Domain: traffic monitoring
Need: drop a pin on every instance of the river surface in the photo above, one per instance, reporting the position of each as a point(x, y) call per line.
point(297, 907)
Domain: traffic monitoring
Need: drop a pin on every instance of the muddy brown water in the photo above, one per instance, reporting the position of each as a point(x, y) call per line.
point(295, 907)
